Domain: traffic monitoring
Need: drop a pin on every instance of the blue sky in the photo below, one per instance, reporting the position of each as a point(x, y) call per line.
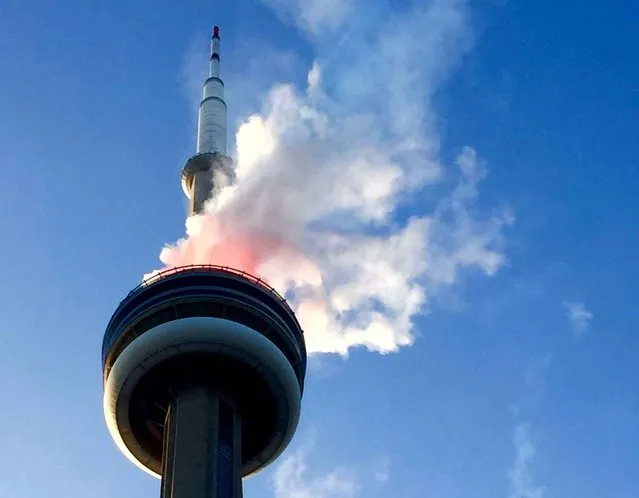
point(521, 380)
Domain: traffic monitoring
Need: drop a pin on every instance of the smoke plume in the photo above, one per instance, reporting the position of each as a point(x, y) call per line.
point(341, 201)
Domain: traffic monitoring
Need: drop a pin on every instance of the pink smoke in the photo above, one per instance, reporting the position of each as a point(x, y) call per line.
point(218, 239)
point(213, 240)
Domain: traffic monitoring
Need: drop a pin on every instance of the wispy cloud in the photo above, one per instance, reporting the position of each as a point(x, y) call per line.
point(521, 479)
point(314, 16)
point(382, 471)
point(579, 316)
point(536, 373)
point(294, 479)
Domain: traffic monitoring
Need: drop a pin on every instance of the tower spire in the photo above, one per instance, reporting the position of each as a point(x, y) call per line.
point(209, 169)
point(212, 115)
point(214, 66)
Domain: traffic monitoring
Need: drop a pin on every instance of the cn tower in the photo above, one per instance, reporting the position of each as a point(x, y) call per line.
point(203, 366)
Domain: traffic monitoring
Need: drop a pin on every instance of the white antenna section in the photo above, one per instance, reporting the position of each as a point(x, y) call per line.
point(211, 129)
point(209, 170)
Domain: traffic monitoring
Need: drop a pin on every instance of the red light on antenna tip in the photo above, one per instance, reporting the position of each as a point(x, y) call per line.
point(216, 31)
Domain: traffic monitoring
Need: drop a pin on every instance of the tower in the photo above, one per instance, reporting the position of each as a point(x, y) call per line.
point(203, 366)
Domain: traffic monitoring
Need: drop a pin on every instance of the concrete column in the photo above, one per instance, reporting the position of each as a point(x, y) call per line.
point(201, 446)
point(202, 189)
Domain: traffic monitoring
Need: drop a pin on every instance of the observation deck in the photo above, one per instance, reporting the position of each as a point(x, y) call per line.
point(219, 322)
point(205, 290)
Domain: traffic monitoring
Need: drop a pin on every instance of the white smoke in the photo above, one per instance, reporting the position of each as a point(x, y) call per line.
point(333, 182)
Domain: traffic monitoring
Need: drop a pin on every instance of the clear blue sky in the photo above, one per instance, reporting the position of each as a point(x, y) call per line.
point(504, 393)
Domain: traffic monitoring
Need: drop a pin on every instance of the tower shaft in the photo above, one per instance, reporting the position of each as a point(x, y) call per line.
point(203, 365)
point(202, 451)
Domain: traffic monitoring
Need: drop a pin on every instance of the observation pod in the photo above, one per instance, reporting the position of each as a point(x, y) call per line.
point(204, 371)
point(203, 176)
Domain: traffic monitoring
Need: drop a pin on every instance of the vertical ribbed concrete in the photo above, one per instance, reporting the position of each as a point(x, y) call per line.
point(202, 189)
point(201, 447)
